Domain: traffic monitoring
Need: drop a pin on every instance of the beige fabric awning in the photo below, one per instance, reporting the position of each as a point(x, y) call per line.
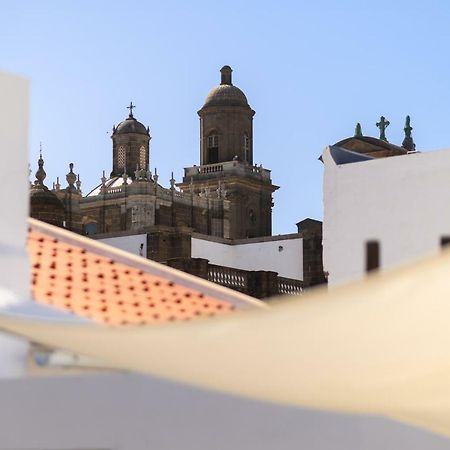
point(378, 346)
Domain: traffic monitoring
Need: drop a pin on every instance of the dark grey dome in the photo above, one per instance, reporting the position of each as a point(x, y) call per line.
point(226, 95)
point(46, 206)
point(131, 125)
point(40, 196)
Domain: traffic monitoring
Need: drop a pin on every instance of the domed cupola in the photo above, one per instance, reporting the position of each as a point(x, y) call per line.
point(226, 94)
point(131, 125)
point(226, 123)
point(131, 142)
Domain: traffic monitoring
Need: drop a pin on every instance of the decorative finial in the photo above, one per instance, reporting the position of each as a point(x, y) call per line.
point(103, 189)
point(219, 190)
point(131, 110)
point(172, 183)
point(358, 131)
point(225, 75)
point(40, 173)
point(382, 125)
point(78, 183)
point(71, 177)
point(408, 142)
point(125, 178)
point(156, 176)
point(57, 185)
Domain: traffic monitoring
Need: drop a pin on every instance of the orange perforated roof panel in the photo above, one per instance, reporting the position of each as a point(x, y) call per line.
point(98, 287)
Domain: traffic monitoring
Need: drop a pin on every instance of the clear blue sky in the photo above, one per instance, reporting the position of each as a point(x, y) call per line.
point(310, 69)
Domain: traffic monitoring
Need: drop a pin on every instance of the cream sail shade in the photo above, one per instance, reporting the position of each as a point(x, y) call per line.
point(379, 346)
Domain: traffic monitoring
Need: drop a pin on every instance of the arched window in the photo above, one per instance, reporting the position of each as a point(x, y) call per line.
point(246, 147)
point(142, 158)
point(121, 157)
point(213, 149)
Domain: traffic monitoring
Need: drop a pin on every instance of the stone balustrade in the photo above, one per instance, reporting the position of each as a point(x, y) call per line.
point(256, 283)
point(229, 168)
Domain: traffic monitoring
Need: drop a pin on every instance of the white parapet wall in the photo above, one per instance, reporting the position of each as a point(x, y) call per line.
point(136, 243)
point(283, 255)
point(401, 202)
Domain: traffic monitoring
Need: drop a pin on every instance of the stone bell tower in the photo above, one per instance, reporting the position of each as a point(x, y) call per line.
point(131, 146)
point(226, 124)
point(226, 163)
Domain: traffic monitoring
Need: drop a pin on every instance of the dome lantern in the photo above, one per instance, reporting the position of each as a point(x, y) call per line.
point(225, 72)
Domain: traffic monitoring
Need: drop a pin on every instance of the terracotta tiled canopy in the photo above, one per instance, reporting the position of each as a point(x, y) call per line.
point(99, 286)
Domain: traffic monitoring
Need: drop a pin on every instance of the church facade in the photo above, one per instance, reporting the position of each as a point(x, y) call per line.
point(226, 197)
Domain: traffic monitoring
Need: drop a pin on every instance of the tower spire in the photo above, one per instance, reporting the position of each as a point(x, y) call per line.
point(40, 173)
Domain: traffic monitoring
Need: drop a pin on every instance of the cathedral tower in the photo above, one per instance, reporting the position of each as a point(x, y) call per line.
point(131, 146)
point(226, 124)
point(226, 164)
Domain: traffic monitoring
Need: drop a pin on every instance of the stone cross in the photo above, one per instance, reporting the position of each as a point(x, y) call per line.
point(131, 108)
point(382, 125)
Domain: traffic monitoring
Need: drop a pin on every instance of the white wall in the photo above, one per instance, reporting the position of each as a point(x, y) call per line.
point(14, 198)
point(255, 256)
point(14, 187)
point(402, 201)
point(128, 243)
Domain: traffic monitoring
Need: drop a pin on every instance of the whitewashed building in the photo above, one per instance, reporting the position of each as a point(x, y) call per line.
point(382, 210)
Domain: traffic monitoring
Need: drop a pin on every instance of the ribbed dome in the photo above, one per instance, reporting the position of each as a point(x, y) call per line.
point(46, 206)
point(43, 196)
point(226, 95)
point(131, 125)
